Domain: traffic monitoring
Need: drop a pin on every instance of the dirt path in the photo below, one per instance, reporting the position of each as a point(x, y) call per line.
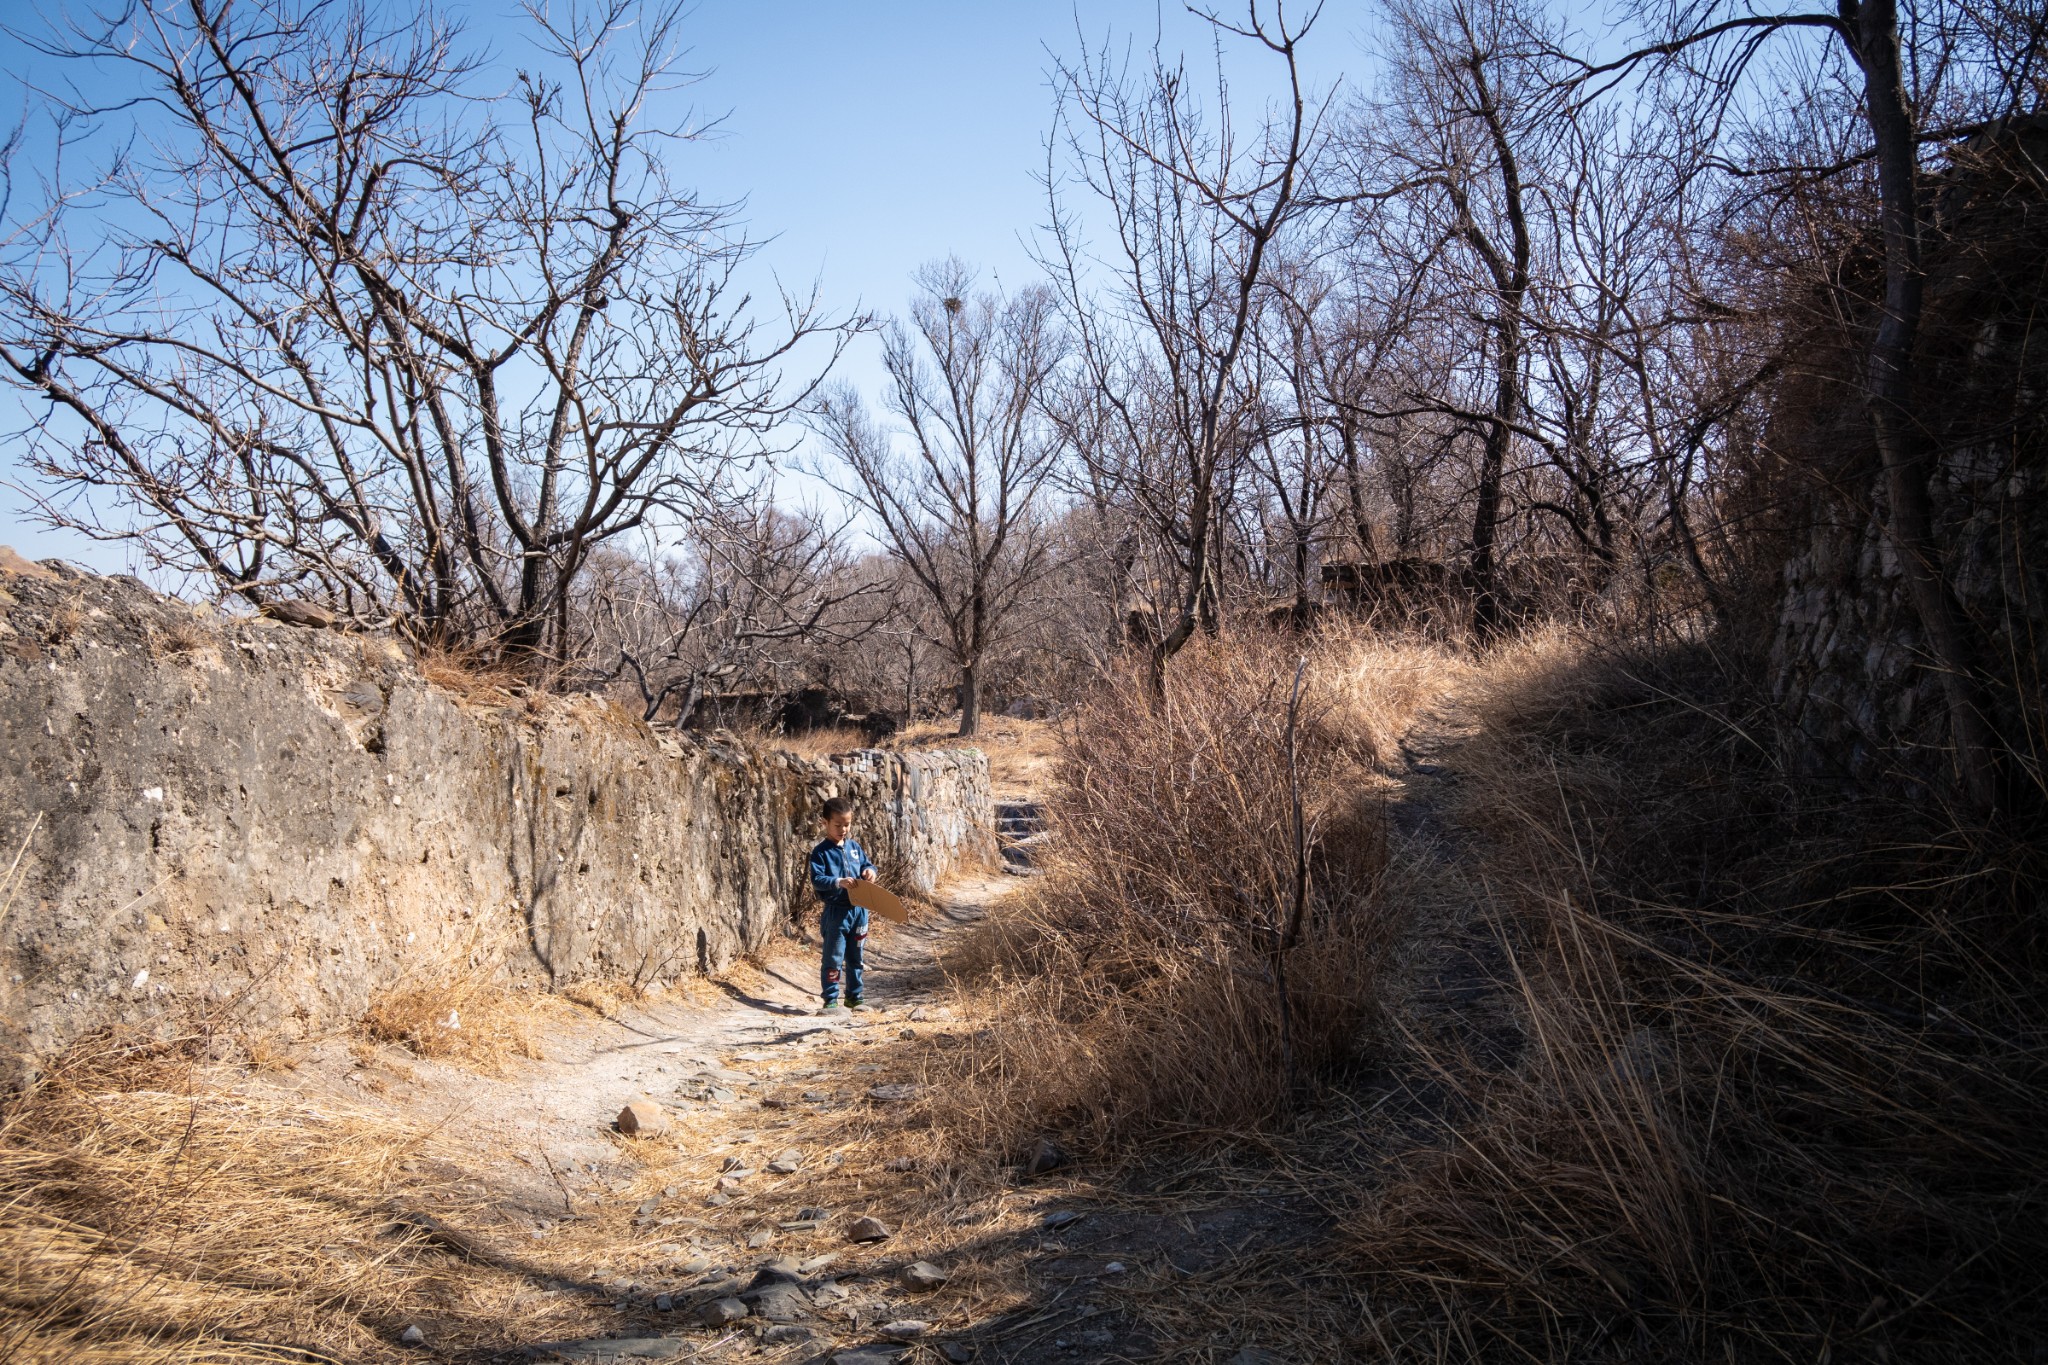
point(627, 1240)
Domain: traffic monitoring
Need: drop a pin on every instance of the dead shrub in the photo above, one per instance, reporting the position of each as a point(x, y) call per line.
point(1150, 985)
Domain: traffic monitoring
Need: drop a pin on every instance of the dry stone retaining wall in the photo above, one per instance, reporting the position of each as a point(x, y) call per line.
point(1858, 682)
point(233, 812)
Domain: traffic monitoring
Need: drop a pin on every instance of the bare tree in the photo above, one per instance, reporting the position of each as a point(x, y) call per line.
point(1449, 140)
point(1290, 454)
point(747, 593)
point(329, 323)
point(966, 380)
point(1195, 217)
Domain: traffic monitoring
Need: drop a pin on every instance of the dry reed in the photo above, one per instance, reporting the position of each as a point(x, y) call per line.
point(1762, 1069)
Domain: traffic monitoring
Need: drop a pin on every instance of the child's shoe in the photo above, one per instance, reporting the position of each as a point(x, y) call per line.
point(830, 1008)
point(856, 1004)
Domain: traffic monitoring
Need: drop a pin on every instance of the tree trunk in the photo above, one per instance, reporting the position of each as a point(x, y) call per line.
point(1354, 487)
point(970, 697)
point(1200, 513)
point(1511, 281)
point(1911, 521)
point(1301, 567)
point(1486, 612)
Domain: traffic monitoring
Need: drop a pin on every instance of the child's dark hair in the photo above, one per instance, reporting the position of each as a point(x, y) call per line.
point(837, 805)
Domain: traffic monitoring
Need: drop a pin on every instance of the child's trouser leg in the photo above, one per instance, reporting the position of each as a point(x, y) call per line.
point(856, 932)
point(832, 926)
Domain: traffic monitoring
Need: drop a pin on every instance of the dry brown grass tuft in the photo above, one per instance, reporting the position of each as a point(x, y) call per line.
point(603, 996)
point(178, 633)
point(471, 676)
point(821, 743)
point(457, 1010)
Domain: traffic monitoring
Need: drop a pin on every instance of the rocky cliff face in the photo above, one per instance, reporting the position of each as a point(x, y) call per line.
point(218, 812)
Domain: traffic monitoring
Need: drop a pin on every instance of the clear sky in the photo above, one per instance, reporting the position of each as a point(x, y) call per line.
point(864, 138)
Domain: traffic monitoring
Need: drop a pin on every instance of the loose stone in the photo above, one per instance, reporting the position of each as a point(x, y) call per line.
point(921, 1275)
point(643, 1118)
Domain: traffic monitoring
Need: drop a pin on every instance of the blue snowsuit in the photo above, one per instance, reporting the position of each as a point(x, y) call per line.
point(843, 924)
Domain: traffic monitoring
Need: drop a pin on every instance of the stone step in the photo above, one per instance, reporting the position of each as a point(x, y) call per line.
point(1024, 852)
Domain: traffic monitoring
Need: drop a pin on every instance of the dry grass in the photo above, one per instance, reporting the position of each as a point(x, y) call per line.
point(1782, 1053)
point(1373, 689)
point(178, 633)
point(1022, 754)
point(147, 1215)
point(820, 743)
point(471, 676)
point(458, 1009)
point(1776, 1069)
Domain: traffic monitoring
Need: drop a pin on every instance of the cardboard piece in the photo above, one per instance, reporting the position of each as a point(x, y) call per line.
point(876, 901)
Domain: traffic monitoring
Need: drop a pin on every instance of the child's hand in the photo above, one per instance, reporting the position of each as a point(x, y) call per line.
point(867, 874)
point(843, 883)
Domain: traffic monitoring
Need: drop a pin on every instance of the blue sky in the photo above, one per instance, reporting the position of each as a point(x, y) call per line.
point(865, 139)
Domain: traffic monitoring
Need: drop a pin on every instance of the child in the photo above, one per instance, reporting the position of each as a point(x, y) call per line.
point(835, 863)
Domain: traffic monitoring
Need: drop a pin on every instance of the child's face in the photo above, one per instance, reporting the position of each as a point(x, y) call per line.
point(837, 827)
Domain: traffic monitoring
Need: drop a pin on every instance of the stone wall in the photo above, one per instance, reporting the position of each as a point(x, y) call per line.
point(219, 812)
point(1860, 689)
point(1849, 666)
